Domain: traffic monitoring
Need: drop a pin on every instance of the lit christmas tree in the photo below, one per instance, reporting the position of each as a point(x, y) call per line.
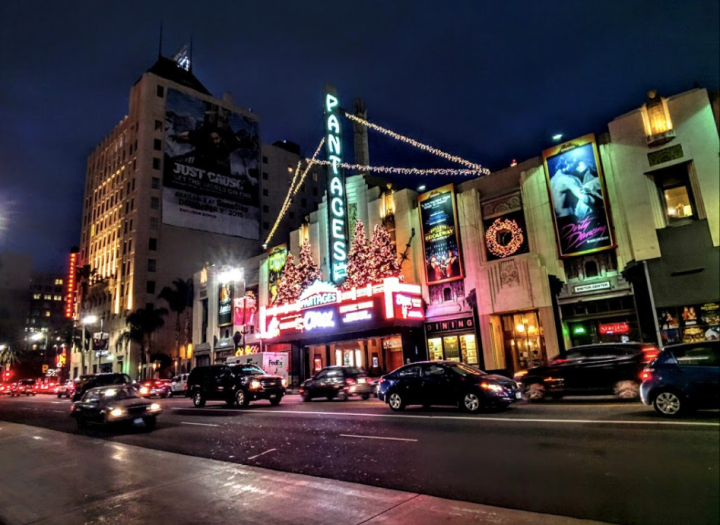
point(308, 271)
point(288, 290)
point(358, 268)
point(383, 259)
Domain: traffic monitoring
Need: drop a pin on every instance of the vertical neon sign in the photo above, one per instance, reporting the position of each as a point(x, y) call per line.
point(337, 210)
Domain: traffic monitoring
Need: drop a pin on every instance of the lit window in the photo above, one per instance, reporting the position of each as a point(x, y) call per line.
point(47, 313)
point(58, 282)
point(676, 193)
point(47, 297)
point(36, 296)
point(677, 202)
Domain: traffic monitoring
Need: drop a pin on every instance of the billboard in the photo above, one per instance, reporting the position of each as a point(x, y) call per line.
point(441, 241)
point(225, 305)
point(210, 177)
point(578, 197)
point(276, 265)
point(101, 343)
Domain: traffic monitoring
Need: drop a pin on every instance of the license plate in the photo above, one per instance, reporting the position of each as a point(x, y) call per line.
point(518, 395)
point(273, 396)
point(137, 420)
point(361, 380)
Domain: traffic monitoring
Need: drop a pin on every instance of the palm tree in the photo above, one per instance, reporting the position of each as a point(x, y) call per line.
point(141, 325)
point(178, 298)
point(9, 355)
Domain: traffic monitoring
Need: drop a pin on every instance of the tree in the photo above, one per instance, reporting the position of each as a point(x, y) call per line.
point(289, 285)
point(358, 268)
point(307, 269)
point(178, 298)
point(141, 325)
point(383, 257)
point(10, 355)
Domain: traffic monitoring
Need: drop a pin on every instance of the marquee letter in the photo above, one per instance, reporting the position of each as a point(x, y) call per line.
point(336, 187)
point(333, 124)
point(336, 206)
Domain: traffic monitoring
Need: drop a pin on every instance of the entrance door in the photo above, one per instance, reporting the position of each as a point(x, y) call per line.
point(452, 348)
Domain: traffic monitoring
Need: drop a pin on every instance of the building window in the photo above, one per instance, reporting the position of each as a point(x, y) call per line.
point(265, 192)
point(160, 92)
point(155, 183)
point(265, 161)
point(152, 264)
point(154, 223)
point(303, 202)
point(58, 282)
point(315, 192)
point(447, 294)
point(152, 244)
point(266, 208)
point(591, 269)
point(315, 176)
point(157, 144)
point(154, 203)
point(676, 193)
point(158, 125)
point(156, 163)
point(36, 296)
point(265, 175)
point(150, 287)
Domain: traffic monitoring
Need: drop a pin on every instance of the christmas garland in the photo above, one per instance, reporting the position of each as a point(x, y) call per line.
point(500, 226)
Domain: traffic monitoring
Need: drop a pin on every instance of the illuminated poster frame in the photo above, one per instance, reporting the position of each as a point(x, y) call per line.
point(336, 201)
point(225, 304)
point(439, 201)
point(277, 257)
point(582, 219)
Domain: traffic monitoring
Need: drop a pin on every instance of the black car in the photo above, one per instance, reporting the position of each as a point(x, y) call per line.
point(337, 381)
point(601, 369)
point(96, 380)
point(114, 404)
point(234, 384)
point(446, 383)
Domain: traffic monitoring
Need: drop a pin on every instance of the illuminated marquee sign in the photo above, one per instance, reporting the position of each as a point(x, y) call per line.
point(70, 287)
point(337, 210)
point(614, 328)
point(323, 307)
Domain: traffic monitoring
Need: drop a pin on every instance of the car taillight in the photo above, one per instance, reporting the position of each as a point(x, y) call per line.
point(349, 381)
point(558, 361)
point(650, 354)
point(646, 374)
point(158, 383)
point(185, 386)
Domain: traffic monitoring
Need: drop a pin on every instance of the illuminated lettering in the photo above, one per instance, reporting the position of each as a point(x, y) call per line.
point(314, 319)
point(337, 211)
point(339, 252)
point(336, 187)
point(362, 315)
point(336, 206)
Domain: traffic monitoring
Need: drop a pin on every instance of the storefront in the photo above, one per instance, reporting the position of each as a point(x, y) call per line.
point(377, 327)
point(453, 339)
point(689, 323)
point(523, 340)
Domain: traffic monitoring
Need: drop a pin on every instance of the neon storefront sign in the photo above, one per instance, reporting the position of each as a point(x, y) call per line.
point(318, 319)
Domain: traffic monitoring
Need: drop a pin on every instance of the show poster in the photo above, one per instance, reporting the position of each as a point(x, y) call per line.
point(211, 168)
point(101, 342)
point(225, 305)
point(276, 265)
point(689, 323)
point(578, 197)
point(441, 244)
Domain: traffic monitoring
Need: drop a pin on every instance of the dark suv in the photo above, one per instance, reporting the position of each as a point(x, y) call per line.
point(600, 369)
point(92, 381)
point(337, 381)
point(235, 384)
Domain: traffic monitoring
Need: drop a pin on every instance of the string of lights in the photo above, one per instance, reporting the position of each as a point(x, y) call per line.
point(295, 185)
point(453, 158)
point(404, 171)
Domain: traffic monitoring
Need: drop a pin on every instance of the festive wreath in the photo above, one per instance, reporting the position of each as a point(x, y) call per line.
point(492, 237)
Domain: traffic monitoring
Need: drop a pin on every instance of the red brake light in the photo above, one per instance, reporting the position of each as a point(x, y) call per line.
point(349, 381)
point(559, 361)
point(646, 374)
point(158, 382)
point(650, 354)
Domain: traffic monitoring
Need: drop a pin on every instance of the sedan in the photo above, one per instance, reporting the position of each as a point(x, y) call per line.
point(154, 387)
point(337, 381)
point(447, 383)
point(65, 389)
point(113, 404)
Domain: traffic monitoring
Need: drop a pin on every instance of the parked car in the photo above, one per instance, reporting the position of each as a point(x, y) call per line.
point(24, 387)
point(238, 384)
point(65, 389)
point(5, 389)
point(342, 382)
point(683, 378)
point(600, 369)
point(178, 384)
point(154, 387)
point(447, 383)
point(97, 380)
point(114, 404)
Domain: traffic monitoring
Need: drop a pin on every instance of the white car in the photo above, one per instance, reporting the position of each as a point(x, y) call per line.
point(177, 384)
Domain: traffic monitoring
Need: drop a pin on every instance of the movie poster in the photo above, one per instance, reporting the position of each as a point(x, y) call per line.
point(441, 242)
point(211, 169)
point(101, 342)
point(276, 265)
point(577, 195)
point(689, 323)
point(225, 305)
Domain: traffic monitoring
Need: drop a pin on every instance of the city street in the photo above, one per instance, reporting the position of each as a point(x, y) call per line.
point(596, 459)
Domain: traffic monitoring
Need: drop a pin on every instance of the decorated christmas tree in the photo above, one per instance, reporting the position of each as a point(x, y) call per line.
point(383, 259)
point(358, 268)
point(289, 289)
point(307, 270)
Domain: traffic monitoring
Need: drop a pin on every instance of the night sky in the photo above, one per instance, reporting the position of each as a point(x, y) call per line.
point(485, 81)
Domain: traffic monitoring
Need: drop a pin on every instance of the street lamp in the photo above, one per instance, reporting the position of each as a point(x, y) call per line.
point(91, 320)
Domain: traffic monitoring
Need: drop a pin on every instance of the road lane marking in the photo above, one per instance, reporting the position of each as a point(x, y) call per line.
point(499, 419)
point(377, 437)
point(199, 424)
point(262, 453)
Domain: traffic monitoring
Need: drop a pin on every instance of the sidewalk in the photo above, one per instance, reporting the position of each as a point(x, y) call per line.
point(49, 477)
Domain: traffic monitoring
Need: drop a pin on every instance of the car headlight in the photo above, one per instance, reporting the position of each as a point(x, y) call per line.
point(117, 412)
point(491, 386)
point(255, 384)
point(154, 407)
point(144, 390)
point(284, 382)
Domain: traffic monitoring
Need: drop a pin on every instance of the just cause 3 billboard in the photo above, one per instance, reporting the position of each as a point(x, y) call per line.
point(578, 197)
point(210, 176)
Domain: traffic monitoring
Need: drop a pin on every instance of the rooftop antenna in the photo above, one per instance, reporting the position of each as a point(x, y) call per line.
point(160, 41)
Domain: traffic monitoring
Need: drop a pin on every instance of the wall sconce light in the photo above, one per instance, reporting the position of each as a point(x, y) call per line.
point(656, 119)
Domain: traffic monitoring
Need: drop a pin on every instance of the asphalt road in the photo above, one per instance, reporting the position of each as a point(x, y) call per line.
point(596, 459)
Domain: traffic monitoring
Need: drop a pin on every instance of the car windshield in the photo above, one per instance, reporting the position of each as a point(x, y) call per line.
point(354, 371)
point(465, 370)
point(96, 394)
point(248, 370)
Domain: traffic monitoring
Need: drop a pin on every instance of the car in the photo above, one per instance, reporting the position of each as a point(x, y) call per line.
point(46, 387)
point(24, 387)
point(178, 384)
point(65, 388)
point(599, 369)
point(154, 387)
point(91, 381)
point(236, 385)
point(5, 389)
point(114, 404)
point(683, 378)
point(342, 382)
point(430, 383)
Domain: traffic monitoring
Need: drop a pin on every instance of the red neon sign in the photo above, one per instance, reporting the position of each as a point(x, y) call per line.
point(70, 287)
point(614, 328)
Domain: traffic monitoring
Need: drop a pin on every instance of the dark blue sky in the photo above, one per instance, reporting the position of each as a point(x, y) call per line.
point(486, 81)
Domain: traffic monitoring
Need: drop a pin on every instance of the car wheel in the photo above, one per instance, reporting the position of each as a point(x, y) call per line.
point(534, 392)
point(669, 404)
point(626, 390)
point(306, 397)
point(471, 403)
point(198, 399)
point(150, 422)
point(396, 402)
point(275, 402)
point(365, 397)
point(343, 396)
point(241, 399)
